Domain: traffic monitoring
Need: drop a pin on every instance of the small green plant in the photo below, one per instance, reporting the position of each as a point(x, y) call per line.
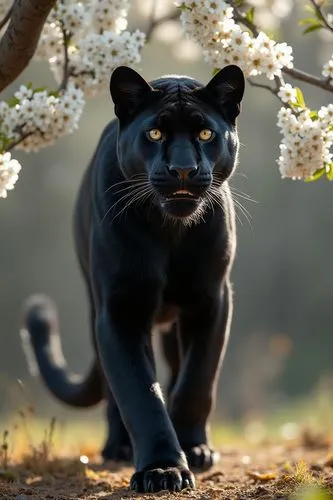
point(312, 493)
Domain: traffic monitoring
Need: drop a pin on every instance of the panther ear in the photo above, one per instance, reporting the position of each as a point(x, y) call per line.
point(127, 89)
point(227, 88)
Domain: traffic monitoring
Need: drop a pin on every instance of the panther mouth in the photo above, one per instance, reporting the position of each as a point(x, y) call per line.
point(182, 194)
point(181, 203)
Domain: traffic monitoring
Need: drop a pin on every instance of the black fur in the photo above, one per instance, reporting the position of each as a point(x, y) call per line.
point(152, 257)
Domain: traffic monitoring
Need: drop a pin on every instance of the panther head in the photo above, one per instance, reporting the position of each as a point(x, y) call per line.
point(178, 133)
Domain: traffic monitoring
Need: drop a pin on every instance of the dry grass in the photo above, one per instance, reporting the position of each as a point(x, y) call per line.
point(298, 469)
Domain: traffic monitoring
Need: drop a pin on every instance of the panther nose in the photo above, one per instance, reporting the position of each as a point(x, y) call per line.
point(183, 173)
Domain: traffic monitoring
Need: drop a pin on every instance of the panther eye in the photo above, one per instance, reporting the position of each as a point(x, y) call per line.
point(155, 134)
point(205, 134)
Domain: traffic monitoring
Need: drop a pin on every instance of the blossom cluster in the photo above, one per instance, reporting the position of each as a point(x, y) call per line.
point(83, 42)
point(307, 141)
point(98, 38)
point(96, 55)
point(212, 25)
point(40, 117)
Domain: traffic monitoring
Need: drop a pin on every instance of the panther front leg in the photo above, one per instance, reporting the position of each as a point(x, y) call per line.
point(204, 332)
point(124, 321)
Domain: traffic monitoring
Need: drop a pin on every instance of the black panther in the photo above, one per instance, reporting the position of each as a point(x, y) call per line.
point(155, 238)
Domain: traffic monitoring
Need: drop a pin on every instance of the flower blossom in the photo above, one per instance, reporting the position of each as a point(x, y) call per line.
point(212, 25)
point(9, 170)
point(307, 142)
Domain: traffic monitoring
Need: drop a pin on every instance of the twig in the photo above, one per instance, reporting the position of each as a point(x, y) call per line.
point(66, 72)
point(295, 73)
point(262, 86)
point(307, 78)
point(62, 86)
point(321, 15)
point(240, 18)
point(155, 23)
point(6, 18)
point(19, 140)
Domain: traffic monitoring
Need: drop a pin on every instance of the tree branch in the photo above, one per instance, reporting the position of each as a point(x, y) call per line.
point(66, 73)
point(295, 73)
point(20, 139)
point(20, 40)
point(240, 18)
point(307, 78)
point(155, 23)
point(321, 15)
point(262, 86)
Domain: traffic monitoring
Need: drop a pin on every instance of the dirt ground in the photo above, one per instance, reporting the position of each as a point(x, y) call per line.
point(269, 471)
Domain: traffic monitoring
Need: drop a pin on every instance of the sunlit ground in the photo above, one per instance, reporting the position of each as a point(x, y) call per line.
point(305, 419)
point(286, 454)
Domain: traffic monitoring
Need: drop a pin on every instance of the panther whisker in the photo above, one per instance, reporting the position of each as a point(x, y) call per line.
point(135, 198)
point(132, 201)
point(135, 189)
point(219, 187)
point(137, 184)
point(242, 209)
point(241, 194)
point(135, 178)
point(216, 196)
point(210, 201)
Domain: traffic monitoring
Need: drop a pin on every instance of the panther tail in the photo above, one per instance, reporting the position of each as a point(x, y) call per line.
point(42, 345)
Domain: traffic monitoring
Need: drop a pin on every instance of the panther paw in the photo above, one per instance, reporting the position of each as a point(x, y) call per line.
point(154, 480)
point(201, 457)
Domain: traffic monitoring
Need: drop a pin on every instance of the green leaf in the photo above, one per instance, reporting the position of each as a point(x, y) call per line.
point(250, 15)
point(54, 93)
point(329, 174)
point(39, 89)
point(314, 27)
point(296, 105)
point(4, 141)
point(308, 20)
point(13, 101)
point(299, 97)
point(316, 175)
point(182, 6)
point(314, 115)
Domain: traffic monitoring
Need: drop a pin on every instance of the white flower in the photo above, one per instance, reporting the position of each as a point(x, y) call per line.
point(110, 16)
point(42, 118)
point(217, 6)
point(50, 42)
point(306, 144)
point(287, 93)
point(23, 93)
point(211, 24)
point(9, 170)
point(96, 56)
point(74, 17)
point(327, 71)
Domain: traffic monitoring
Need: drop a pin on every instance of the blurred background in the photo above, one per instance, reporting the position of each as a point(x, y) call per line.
point(280, 353)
